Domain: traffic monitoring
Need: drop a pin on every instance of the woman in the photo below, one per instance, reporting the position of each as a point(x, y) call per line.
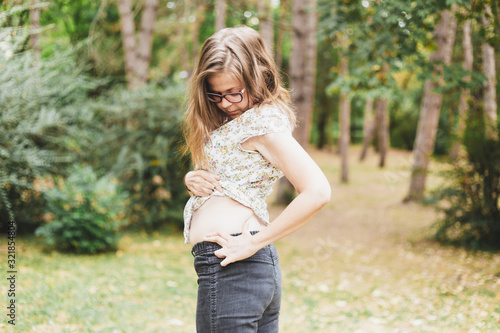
point(238, 130)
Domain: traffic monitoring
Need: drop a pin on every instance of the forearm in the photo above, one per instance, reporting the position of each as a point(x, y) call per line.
point(295, 215)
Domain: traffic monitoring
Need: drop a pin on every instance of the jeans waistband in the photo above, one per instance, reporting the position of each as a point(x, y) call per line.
point(210, 247)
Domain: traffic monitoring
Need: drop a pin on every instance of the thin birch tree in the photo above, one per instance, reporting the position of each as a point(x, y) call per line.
point(444, 35)
point(266, 25)
point(382, 129)
point(35, 26)
point(345, 123)
point(303, 66)
point(137, 58)
point(146, 39)
point(490, 103)
point(302, 75)
point(220, 14)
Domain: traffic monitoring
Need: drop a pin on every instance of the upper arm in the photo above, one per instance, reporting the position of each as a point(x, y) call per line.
point(285, 153)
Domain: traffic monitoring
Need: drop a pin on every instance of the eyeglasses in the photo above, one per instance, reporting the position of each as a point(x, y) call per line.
point(236, 97)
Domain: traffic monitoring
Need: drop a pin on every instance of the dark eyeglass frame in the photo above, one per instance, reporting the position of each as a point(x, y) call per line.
point(216, 98)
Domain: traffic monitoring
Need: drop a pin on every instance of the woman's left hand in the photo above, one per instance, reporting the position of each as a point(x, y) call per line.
point(234, 248)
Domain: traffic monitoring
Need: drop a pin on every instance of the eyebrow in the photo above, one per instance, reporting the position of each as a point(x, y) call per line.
point(218, 92)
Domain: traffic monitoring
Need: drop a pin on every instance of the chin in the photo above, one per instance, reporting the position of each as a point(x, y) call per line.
point(234, 115)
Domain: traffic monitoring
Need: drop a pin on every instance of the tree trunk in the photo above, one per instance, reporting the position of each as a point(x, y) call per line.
point(281, 30)
point(431, 105)
point(220, 14)
point(266, 22)
point(344, 115)
point(127, 27)
point(490, 105)
point(34, 27)
point(496, 14)
point(302, 73)
point(137, 59)
point(465, 96)
point(368, 128)
point(303, 66)
point(145, 40)
point(382, 129)
point(310, 72)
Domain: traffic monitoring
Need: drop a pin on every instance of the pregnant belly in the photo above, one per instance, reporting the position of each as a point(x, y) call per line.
point(221, 214)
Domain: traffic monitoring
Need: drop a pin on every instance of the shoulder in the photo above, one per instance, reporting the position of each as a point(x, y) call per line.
point(262, 126)
point(269, 111)
point(267, 118)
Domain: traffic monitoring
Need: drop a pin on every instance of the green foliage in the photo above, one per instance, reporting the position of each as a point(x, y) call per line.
point(95, 23)
point(12, 19)
point(386, 32)
point(325, 105)
point(141, 145)
point(75, 17)
point(473, 216)
point(40, 128)
point(357, 113)
point(404, 118)
point(48, 122)
point(399, 34)
point(86, 213)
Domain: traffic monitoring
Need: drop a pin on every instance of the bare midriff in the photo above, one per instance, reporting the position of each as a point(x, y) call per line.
point(224, 215)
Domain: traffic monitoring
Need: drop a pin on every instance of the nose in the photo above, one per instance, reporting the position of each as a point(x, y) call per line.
point(225, 103)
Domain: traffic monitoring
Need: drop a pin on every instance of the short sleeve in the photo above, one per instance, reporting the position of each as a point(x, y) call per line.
point(265, 121)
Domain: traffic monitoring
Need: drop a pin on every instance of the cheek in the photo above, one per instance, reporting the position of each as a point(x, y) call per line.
point(247, 102)
point(243, 105)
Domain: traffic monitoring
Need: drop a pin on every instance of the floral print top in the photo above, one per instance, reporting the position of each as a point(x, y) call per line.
point(245, 175)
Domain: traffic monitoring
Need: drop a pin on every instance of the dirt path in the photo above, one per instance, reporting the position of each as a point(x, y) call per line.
point(368, 210)
point(366, 262)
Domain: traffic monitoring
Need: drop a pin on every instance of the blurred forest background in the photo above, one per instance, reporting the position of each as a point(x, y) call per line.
point(92, 92)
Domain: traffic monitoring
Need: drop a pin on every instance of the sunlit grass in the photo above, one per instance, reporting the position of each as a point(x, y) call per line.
point(367, 264)
point(364, 264)
point(147, 286)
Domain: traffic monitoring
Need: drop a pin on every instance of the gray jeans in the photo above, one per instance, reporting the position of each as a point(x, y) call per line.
point(243, 297)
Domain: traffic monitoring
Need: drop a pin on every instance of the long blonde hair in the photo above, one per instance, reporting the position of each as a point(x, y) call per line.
point(241, 53)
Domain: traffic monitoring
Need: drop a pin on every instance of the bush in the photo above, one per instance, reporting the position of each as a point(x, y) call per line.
point(85, 213)
point(41, 132)
point(473, 216)
point(140, 146)
point(49, 123)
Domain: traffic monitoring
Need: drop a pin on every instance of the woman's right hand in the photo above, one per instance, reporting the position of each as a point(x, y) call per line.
point(202, 183)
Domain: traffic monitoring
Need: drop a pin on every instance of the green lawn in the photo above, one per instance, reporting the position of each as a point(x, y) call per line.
point(363, 264)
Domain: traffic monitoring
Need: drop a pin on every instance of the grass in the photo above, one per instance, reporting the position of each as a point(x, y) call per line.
point(365, 263)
